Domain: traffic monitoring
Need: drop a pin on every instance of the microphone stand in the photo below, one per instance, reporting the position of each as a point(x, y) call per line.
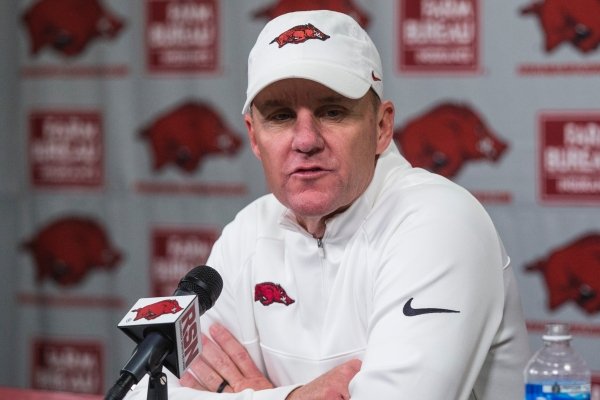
point(157, 386)
point(147, 357)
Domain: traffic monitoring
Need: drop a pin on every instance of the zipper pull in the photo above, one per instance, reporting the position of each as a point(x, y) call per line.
point(320, 246)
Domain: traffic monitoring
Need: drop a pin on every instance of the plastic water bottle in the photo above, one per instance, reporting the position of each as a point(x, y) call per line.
point(556, 371)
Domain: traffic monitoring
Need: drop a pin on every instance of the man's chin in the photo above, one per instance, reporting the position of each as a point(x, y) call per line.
point(317, 207)
point(313, 206)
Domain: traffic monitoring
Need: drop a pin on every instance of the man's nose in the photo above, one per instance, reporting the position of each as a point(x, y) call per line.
point(307, 133)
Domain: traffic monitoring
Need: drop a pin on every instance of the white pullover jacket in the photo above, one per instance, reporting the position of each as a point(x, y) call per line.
point(412, 279)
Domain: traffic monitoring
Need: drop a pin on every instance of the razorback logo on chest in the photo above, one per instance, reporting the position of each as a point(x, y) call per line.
point(268, 293)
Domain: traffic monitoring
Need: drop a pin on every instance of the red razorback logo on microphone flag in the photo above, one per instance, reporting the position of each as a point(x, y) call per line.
point(299, 34)
point(155, 310)
point(268, 293)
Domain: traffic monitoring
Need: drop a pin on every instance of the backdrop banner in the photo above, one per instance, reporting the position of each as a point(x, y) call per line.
point(123, 154)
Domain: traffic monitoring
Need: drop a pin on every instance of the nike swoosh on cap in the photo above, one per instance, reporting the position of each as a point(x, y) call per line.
point(409, 311)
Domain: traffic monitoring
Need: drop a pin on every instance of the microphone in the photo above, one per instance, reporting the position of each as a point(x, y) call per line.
point(167, 328)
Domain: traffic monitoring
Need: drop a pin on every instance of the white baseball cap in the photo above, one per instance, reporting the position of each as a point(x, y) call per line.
point(327, 47)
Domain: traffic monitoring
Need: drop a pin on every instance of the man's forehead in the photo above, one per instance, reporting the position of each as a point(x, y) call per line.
point(292, 91)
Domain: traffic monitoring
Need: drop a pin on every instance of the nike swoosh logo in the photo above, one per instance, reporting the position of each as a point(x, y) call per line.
point(409, 311)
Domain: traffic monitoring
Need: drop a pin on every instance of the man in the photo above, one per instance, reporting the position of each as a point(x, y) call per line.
point(359, 276)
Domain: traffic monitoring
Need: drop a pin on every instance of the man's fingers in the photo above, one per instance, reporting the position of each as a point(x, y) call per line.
point(189, 380)
point(234, 350)
point(219, 361)
point(348, 370)
point(331, 385)
point(353, 366)
point(224, 366)
point(204, 376)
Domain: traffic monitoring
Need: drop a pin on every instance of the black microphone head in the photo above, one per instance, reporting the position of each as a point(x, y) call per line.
point(203, 281)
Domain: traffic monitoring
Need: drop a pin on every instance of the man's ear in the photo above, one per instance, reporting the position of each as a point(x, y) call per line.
point(385, 125)
point(249, 121)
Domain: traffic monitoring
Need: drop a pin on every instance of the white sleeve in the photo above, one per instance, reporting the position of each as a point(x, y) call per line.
point(444, 255)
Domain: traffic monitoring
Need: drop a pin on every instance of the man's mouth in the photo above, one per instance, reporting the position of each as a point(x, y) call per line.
point(308, 172)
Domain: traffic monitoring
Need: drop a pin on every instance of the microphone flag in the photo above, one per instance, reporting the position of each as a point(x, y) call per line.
point(176, 317)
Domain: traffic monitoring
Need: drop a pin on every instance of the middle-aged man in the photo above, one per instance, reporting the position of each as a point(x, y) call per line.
point(359, 276)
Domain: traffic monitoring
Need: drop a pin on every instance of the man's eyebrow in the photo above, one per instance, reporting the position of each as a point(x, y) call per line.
point(330, 99)
point(334, 99)
point(271, 103)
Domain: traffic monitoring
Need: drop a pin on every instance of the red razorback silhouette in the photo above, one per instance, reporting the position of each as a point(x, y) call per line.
point(268, 293)
point(281, 7)
point(188, 133)
point(572, 21)
point(443, 138)
point(68, 26)
point(67, 249)
point(155, 310)
point(572, 273)
point(299, 34)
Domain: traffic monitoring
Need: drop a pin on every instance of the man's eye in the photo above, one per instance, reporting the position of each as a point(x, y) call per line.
point(280, 116)
point(333, 113)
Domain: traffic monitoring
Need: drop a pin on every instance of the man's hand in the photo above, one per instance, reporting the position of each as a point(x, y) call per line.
point(331, 385)
point(227, 360)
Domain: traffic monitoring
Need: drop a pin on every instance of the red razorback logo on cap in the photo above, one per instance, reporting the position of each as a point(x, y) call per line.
point(299, 34)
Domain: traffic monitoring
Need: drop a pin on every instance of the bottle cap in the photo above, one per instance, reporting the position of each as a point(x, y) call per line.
point(557, 332)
